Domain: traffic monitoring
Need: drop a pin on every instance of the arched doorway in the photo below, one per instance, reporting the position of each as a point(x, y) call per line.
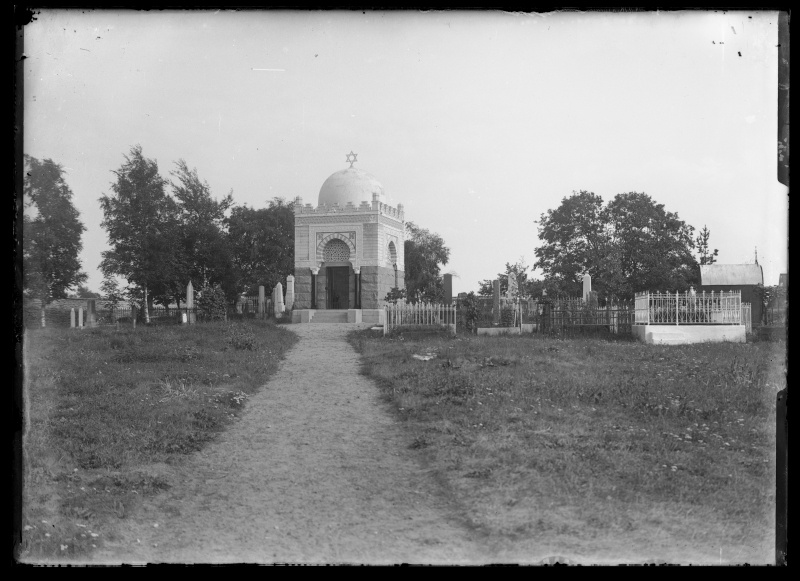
point(338, 274)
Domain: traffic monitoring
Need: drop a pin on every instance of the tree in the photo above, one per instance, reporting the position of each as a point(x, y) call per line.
point(143, 227)
point(703, 248)
point(425, 254)
point(261, 245)
point(205, 256)
point(84, 292)
point(630, 245)
point(112, 291)
point(52, 232)
point(655, 246)
point(519, 269)
point(575, 240)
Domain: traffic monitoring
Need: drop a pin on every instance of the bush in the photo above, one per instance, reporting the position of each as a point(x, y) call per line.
point(469, 307)
point(211, 301)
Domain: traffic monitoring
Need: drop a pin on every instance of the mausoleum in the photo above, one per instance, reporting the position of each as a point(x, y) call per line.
point(348, 251)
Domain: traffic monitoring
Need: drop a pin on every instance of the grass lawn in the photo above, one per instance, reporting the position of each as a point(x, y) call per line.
point(602, 450)
point(107, 412)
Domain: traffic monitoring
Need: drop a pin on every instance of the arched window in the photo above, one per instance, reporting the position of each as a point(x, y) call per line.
point(336, 251)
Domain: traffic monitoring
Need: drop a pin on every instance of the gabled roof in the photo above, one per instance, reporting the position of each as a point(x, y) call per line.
point(731, 274)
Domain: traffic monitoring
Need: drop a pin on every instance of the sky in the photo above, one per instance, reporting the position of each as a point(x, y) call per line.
point(477, 122)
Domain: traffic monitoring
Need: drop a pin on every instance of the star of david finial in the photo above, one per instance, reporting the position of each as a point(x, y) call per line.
point(354, 156)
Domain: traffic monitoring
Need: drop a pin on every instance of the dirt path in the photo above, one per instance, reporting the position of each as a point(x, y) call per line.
point(315, 471)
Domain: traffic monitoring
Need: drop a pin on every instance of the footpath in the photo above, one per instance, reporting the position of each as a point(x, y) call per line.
point(315, 471)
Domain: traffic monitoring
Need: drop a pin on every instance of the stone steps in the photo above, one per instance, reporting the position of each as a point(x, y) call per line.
point(330, 316)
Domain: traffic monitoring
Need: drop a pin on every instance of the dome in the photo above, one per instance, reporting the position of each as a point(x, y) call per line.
point(349, 185)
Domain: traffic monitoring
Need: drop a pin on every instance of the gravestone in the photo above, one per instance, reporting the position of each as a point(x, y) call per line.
point(72, 318)
point(91, 313)
point(279, 306)
point(587, 286)
point(80, 317)
point(262, 309)
point(190, 301)
point(289, 292)
point(496, 300)
point(448, 289)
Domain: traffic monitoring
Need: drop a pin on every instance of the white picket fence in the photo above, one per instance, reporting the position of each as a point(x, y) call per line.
point(419, 314)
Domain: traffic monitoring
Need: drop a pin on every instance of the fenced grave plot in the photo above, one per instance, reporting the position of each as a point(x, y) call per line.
point(421, 314)
point(557, 316)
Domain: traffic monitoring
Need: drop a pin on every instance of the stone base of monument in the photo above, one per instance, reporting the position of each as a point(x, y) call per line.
point(687, 334)
point(526, 328)
point(373, 316)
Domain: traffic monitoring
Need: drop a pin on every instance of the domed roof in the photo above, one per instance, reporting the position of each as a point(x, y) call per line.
point(349, 185)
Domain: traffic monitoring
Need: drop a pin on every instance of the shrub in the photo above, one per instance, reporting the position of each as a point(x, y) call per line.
point(211, 301)
point(395, 295)
point(469, 308)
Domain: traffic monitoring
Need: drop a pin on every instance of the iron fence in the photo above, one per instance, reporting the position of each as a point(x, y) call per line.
point(689, 308)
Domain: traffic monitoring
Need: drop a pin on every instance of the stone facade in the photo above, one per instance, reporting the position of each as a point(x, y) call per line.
point(377, 281)
point(368, 238)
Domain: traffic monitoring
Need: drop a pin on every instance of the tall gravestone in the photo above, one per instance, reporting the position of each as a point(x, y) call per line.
point(262, 302)
point(279, 306)
point(72, 318)
point(289, 292)
point(190, 302)
point(448, 289)
point(91, 313)
point(80, 317)
point(587, 286)
point(496, 300)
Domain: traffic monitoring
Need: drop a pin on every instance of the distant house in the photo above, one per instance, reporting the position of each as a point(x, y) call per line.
point(735, 277)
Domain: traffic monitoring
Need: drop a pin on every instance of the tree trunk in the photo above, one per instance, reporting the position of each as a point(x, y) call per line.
point(43, 322)
point(146, 309)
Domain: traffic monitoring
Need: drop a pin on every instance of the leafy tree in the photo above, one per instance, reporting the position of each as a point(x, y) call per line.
point(630, 245)
point(707, 256)
point(112, 291)
point(519, 269)
point(654, 246)
point(425, 254)
point(575, 239)
point(261, 244)
point(143, 227)
point(52, 232)
point(205, 255)
point(84, 292)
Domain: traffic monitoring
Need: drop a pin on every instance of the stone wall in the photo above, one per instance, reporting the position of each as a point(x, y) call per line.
point(302, 288)
point(377, 281)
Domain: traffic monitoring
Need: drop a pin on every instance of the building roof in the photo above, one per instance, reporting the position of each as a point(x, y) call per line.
point(731, 274)
point(349, 185)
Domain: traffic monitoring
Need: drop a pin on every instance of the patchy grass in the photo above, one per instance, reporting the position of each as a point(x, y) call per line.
point(108, 412)
point(604, 448)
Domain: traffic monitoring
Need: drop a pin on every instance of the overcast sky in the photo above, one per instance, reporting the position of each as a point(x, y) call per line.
point(477, 122)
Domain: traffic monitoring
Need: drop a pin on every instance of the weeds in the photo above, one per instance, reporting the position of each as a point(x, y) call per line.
point(592, 426)
point(108, 411)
